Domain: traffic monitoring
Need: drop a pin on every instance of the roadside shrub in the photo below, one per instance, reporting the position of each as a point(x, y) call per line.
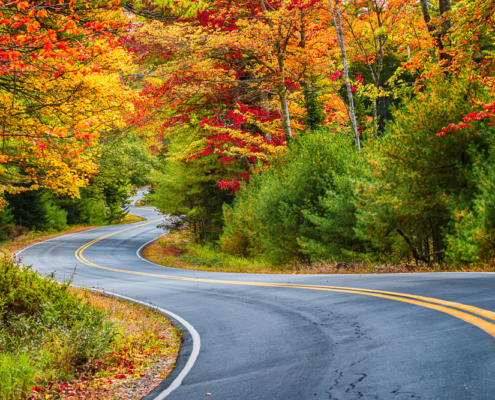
point(41, 321)
point(299, 209)
point(25, 292)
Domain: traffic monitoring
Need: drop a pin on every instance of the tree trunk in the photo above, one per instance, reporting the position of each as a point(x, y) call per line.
point(285, 114)
point(337, 23)
point(444, 7)
point(283, 95)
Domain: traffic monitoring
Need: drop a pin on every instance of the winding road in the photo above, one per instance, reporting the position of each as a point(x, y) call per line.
point(386, 336)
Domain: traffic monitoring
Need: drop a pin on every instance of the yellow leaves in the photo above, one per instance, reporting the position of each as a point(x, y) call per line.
point(22, 5)
point(35, 26)
point(57, 148)
point(60, 131)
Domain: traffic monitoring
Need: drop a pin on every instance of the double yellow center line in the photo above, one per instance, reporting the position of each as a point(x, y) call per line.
point(467, 313)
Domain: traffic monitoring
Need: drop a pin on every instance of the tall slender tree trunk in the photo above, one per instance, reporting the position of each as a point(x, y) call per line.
point(337, 23)
point(283, 96)
point(285, 113)
point(283, 89)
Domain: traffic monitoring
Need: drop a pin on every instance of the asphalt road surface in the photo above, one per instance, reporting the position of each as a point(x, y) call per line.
point(298, 336)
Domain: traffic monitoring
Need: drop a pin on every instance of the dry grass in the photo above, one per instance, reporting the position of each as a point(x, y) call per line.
point(11, 246)
point(177, 250)
point(130, 219)
point(144, 202)
point(369, 268)
point(142, 355)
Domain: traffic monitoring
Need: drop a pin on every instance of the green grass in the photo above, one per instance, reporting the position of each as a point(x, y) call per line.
point(44, 328)
point(210, 257)
point(53, 335)
point(17, 376)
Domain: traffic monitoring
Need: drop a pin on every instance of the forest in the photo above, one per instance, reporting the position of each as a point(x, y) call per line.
point(288, 131)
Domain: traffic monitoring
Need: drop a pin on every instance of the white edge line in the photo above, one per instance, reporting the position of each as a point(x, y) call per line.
point(138, 252)
point(58, 237)
point(194, 334)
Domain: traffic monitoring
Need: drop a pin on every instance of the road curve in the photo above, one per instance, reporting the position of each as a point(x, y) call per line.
point(298, 336)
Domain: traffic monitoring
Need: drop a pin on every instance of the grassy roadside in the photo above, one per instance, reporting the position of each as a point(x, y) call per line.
point(146, 201)
point(11, 246)
point(130, 219)
point(177, 250)
point(61, 342)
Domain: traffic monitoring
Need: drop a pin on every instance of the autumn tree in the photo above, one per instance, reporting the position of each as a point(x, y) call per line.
point(60, 91)
point(381, 35)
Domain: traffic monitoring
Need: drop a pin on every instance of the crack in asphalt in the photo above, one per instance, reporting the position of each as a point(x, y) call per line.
point(409, 395)
point(358, 331)
point(351, 386)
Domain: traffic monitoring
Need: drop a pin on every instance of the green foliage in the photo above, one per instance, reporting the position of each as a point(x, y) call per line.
point(471, 232)
point(36, 210)
point(301, 208)
point(103, 202)
point(423, 183)
point(6, 223)
point(89, 209)
point(314, 109)
point(17, 376)
point(128, 158)
point(187, 191)
point(125, 162)
point(209, 255)
point(41, 321)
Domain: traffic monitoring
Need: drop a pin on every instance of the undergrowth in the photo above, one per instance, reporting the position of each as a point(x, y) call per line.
point(55, 339)
point(178, 250)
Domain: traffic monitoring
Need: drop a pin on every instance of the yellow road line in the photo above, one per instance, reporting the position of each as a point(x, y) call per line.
point(447, 307)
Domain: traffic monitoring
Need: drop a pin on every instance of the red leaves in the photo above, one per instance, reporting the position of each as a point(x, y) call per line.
point(488, 112)
point(234, 184)
point(62, 45)
point(48, 46)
